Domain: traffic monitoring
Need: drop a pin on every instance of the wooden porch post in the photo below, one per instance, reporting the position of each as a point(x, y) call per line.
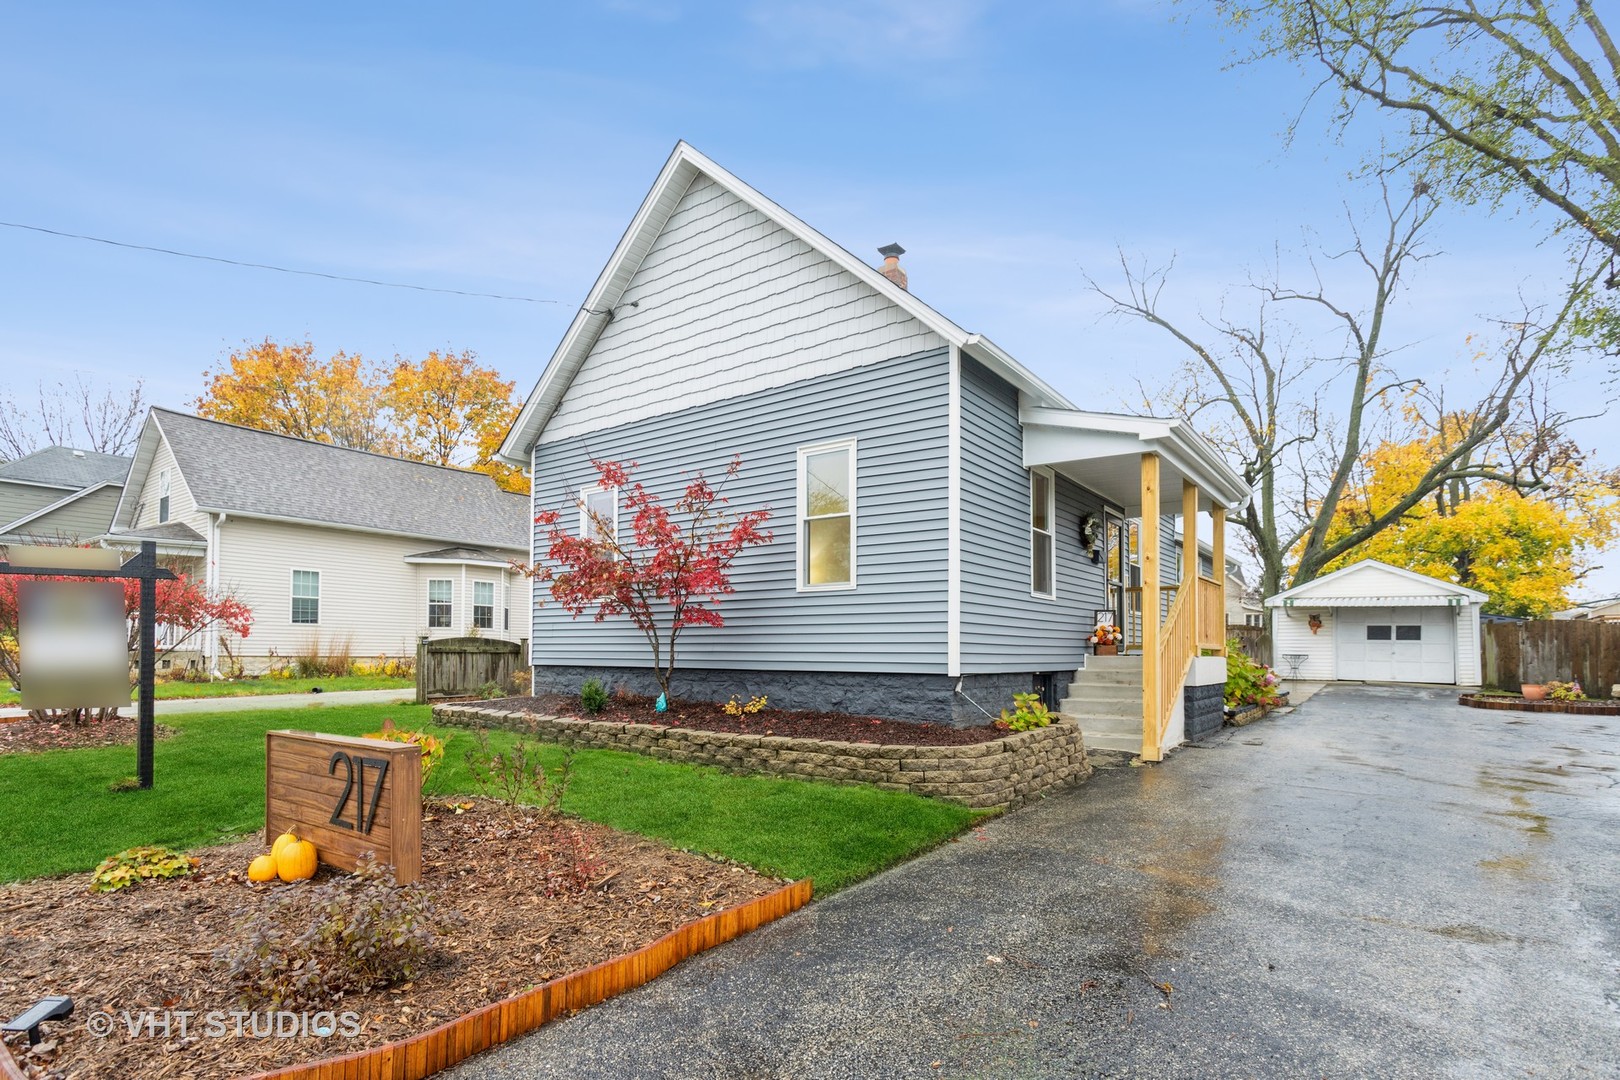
point(1189, 552)
point(1218, 545)
point(1152, 617)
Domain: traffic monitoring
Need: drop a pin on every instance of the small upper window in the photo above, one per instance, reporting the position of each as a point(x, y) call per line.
point(599, 512)
point(439, 603)
point(1042, 545)
point(484, 605)
point(306, 596)
point(1378, 633)
point(827, 516)
point(163, 496)
point(1409, 633)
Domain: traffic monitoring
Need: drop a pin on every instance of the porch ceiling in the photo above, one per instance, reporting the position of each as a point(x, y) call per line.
point(1103, 452)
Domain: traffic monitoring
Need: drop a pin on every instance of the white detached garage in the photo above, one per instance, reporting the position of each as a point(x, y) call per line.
point(1372, 622)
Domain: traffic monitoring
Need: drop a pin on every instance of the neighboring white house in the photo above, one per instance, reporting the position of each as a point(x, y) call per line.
point(332, 548)
point(1372, 622)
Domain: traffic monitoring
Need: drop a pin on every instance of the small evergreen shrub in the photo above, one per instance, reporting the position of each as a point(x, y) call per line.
point(593, 697)
point(307, 948)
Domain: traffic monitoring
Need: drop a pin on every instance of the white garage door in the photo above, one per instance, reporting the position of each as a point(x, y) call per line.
point(1397, 644)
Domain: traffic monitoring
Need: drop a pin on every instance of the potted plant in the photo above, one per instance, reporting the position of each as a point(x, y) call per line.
point(1533, 691)
point(1106, 638)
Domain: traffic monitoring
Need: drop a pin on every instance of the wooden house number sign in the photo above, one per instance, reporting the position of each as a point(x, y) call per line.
point(346, 796)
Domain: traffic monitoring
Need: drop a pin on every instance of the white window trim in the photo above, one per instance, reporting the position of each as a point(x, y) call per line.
point(800, 585)
point(427, 604)
point(584, 512)
point(1051, 530)
point(292, 585)
point(474, 605)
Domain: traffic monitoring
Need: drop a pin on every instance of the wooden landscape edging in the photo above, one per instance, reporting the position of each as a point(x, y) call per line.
point(1511, 704)
point(423, 1055)
point(9, 1069)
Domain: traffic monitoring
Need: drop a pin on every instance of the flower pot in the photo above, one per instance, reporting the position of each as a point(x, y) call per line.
point(1533, 691)
point(1107, 650)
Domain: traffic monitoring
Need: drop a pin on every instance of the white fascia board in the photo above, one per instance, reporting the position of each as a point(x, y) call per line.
point(35, 483)
point(145, 451)
point(1321, 587)
point(1096, 435)
point(336, 527)
point(57, 505)
point(684, 165)
point(459, 562)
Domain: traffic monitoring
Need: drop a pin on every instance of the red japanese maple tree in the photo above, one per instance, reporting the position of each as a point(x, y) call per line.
point(184, 607)
point(671, 571)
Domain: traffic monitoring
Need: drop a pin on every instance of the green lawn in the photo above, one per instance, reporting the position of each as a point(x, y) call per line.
point(256, 687)
point(60, 816)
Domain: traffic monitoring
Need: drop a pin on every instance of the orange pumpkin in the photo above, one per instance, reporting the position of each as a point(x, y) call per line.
point(262, 869)
point(296, 861)
point(282, 841)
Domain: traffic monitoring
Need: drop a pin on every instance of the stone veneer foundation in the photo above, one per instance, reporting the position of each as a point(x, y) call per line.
point(1005, 772)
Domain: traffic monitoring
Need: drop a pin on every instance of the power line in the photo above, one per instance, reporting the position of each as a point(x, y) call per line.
point(267, 266)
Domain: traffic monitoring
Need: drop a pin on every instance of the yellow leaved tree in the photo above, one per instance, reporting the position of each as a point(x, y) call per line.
point(443, 409)
point(1525, 546)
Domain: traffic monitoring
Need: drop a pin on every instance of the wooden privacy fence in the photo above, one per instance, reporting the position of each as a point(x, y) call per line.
point(457, 667)
point(1255, 641)
point(1552, 649)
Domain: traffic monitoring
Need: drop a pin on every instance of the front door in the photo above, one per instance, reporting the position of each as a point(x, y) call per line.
point(1116, 564)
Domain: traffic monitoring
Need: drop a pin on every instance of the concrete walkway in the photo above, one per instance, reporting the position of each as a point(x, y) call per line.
point(1379, 883)
point(172, 707)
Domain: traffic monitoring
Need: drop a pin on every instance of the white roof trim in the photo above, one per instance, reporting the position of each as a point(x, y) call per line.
point(42, 511)
point(1319, 591)
point(685, 164)
point(1172, 439)
point(139, 466)
point(458, 562)
point(1422, 600)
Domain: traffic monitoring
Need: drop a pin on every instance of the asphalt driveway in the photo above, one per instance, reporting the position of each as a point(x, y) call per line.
point(1380, 883)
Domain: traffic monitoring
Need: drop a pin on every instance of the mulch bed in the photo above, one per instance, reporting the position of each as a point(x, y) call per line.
point(151, 946)
point(711, 716)
point(1500, 702)
point(28, 735)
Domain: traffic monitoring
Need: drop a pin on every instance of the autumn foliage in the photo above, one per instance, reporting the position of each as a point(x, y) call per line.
point(668, 574)
point(444, 409)
point(184, 607)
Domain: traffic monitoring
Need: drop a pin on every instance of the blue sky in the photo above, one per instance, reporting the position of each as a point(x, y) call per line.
point(503, 148)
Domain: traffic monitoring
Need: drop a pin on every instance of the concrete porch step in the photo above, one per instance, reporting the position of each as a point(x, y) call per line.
point(1130, 744)
point(1126, 709)
point(1107, 725)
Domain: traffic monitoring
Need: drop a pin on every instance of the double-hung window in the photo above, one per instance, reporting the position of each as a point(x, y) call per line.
point(826, 497)
point(484, 605)
point(163, 496)
point(1042, 540)
point(599, 513)
point(439, 603)
point(306, 597)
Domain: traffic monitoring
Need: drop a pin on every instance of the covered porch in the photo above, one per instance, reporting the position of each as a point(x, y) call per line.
point(1146, 468)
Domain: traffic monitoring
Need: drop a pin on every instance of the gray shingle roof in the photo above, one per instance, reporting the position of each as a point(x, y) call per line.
point(460, 554)
point(170, 530)
point(65, 467)
point(258, 473)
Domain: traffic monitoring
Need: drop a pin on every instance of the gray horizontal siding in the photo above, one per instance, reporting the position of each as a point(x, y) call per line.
point(1004, 628)
point(894, 621)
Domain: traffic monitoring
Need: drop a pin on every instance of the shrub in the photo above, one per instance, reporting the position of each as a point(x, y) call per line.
point(516, 776)
point(521, 682)
point(1249, 682)
point(391, 667)
point(1029, 713)
point(138, 864)
point(432, 745)
point(490, 690)
point(311, 661)
point(1566, 691)
point(748, 708)
point(307, 948)
point(593, 697)
point(569, 863)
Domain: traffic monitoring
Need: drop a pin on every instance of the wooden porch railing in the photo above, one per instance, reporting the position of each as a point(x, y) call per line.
point(1211, 614)
point(1176, 652)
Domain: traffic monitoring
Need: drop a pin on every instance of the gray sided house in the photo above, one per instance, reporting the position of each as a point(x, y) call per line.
point(59, 495)
point(333, 549)
point(947, 526)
